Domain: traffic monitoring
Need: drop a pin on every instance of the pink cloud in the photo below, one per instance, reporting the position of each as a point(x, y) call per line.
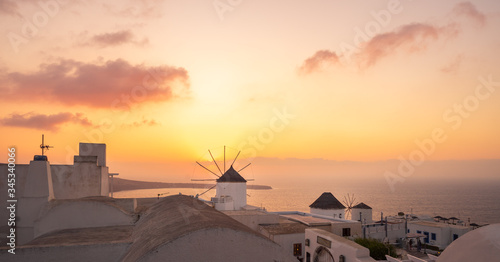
point(453, 66)
point(8, 7)
point(412, 37)
point(44, 122)
point(319, 59)
point(468, 10)
point(112, 84)
point(115, 39)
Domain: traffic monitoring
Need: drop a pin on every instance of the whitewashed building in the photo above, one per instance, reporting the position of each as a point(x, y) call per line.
point(362, 212)
point(328, 205)
point(436, 233)
point(321, 245)
point(231, 191)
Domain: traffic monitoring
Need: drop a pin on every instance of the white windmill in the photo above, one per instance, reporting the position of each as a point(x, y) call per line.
point(230, 187)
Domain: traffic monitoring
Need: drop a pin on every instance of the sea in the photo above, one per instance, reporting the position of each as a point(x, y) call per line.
point(477, 201)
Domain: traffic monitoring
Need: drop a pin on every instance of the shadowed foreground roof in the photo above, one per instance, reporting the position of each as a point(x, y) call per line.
point(481, 244)
point(84, 236)
point(327, 201)
point(172, 218)
point(231, 175)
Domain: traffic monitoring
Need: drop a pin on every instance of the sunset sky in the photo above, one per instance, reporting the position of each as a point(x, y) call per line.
point(160, 81)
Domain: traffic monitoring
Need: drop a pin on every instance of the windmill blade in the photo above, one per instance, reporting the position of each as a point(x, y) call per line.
point(244, 167)
point(203, 179)
point(250, 179)
point(215, 162)
point(207, 190)
point(236, 158)
point(207, 169)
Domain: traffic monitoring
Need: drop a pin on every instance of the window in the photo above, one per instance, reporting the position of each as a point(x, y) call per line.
point(308, 242)
point(419, 232)
point(455, 236)
point(340, 215)
point(426, 239)
point(341, 258)
point(346, 232)
point(433, 236)
point(297, 250)
point(408, 231)
point(308, 257)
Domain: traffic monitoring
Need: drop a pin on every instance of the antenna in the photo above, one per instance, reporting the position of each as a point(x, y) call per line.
point(43, 146)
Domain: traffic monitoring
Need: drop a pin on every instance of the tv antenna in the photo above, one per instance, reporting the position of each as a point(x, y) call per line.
point(43, 146)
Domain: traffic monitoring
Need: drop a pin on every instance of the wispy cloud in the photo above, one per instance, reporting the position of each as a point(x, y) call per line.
point(114, 39)
point(44, 122)
point(411, 38)
point(318, 60)
point(102, 85)
point(143, 122)
point(137, 9)
point(453, 66)
point(8, 7)
point(470, 11)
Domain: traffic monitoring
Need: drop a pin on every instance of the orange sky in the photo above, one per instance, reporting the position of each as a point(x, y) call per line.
point(162, 81)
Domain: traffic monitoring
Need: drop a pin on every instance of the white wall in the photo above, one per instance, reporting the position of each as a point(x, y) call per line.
point(366, 214)
point(237, 190)
point(339, 246)
point(286, 242)
point(444, 232)
point(216, 245)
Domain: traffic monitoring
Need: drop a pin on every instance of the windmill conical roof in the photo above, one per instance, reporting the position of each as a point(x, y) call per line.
point(231, 175)
point(327, 201)
point(362, 206)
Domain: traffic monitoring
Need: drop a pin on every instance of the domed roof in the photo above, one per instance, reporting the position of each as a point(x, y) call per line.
point(482, 244)
point(231, 175)
point(327, 201)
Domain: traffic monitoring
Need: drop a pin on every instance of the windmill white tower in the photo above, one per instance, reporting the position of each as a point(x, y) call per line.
point(230, 187)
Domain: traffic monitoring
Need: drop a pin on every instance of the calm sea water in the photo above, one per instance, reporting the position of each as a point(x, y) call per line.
point(477, 200)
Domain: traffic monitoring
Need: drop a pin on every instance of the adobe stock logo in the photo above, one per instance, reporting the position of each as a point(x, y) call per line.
point(454, 116)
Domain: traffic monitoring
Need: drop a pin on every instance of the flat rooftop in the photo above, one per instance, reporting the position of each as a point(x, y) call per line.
point(309, 220)
point(285, 228)
point(435, 224)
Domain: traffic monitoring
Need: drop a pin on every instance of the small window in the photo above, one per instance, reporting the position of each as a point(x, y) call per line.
point(455, 236)
point(297, 250)
point(426, 239)
point(419, 232)
point(433, 236)
point(408, 231)
point(308, 242)
point(340, 215)
point(346, 232)
point(308, 257)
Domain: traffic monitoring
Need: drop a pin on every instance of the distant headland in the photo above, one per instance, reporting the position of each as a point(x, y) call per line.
point(120, 184)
